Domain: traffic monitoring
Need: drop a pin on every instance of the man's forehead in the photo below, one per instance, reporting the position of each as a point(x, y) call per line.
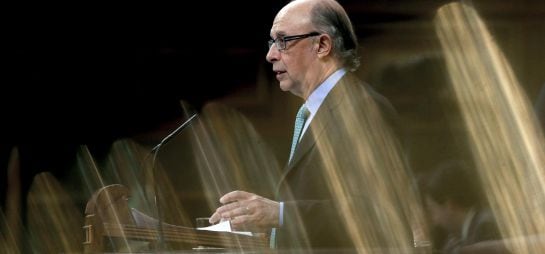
point(286, 24)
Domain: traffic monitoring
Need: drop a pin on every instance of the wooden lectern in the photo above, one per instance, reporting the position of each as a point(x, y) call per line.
point(110, 225)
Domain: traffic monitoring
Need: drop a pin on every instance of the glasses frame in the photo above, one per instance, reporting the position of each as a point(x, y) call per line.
point(281, 41)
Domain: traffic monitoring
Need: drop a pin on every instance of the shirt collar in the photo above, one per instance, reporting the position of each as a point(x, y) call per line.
point(318, 95)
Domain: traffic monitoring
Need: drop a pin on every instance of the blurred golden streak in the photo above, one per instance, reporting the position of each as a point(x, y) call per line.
point(53, 219)
point(381, 177)
point(11, 234)
point(507, 141)
point(94, 181)
point(89, 171)
point(231, 155)
point(212, 182)
point(131, 165)
point(127, 161)
point(173, 211)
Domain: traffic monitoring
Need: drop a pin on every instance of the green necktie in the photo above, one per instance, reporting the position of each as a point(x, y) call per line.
point(300, 120)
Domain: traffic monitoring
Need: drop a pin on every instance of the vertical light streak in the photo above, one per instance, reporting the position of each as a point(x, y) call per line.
point(54, 221)
point(231, 155)
point(12, 230)
point(507, 142)
point(132, 165)
point(94, 181)
point(377, 172)
point(129, 164)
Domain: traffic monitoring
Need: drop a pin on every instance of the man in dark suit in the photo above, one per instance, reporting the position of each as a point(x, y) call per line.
point(345, 184)
point(457, 204)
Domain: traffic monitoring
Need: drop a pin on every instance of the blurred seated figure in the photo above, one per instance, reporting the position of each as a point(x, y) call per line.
point(455, 204)
point(534, 242)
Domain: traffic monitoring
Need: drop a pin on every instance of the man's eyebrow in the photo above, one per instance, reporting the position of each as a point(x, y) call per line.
point(279, 34)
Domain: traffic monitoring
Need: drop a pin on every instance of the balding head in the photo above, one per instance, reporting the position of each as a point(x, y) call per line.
point(311, 39)
point(329, 17)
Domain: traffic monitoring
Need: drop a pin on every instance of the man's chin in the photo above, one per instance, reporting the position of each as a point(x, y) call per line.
point(284, 87)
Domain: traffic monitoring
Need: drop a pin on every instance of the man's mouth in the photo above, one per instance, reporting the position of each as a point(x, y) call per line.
point(279, 73)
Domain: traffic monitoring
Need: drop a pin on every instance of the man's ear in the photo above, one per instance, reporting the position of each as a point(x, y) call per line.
point(324, 45)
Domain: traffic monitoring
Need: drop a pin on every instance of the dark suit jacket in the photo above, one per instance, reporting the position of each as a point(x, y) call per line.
point(337, 188)
point(482, 227)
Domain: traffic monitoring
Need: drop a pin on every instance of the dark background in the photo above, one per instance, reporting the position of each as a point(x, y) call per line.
point(92, 73)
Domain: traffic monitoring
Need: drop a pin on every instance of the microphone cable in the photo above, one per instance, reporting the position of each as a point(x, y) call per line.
point(154, 151)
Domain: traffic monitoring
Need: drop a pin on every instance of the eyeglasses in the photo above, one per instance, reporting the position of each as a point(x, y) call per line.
point(280, 42)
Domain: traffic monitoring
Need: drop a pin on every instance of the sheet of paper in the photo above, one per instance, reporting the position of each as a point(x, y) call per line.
point(224, 226)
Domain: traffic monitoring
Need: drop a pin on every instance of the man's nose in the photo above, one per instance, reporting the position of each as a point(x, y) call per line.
point(272, 54)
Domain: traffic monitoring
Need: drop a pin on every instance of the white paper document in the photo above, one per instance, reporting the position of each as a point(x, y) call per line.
point(224, 226)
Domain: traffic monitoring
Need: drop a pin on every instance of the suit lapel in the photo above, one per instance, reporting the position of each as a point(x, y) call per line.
point(319, 124)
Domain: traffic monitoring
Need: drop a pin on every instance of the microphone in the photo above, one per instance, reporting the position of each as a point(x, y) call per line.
point(173, 134)
point(155, 151)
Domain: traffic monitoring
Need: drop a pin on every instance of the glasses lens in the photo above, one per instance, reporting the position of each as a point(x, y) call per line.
point(280, 43)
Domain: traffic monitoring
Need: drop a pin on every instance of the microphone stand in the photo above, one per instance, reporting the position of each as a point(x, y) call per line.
point(155, 151)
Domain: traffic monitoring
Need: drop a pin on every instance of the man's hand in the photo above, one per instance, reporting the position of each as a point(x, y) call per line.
point(247, 212)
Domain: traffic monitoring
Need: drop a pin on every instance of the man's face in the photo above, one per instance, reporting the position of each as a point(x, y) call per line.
point(291, 64)
point(439, 213)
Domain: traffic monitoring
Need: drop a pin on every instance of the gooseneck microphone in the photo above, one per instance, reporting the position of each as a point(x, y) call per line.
point(155, 151)
point(173, 134)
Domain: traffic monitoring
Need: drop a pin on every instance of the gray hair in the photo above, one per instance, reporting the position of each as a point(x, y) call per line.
point(330, 18)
